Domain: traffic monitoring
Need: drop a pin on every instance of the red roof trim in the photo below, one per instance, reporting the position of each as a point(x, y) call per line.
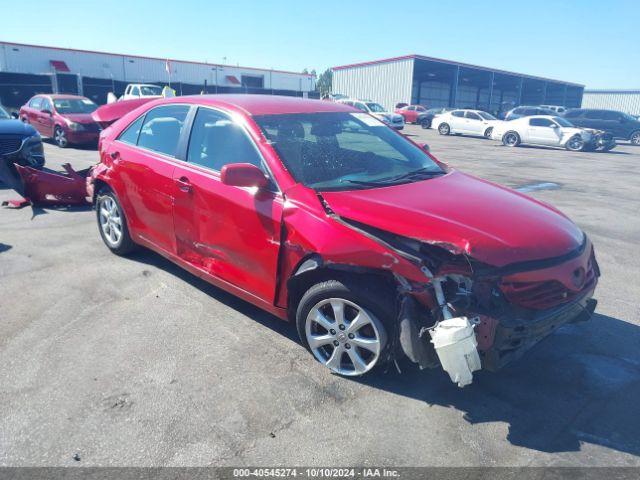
point(59, 66)
point(450, 62)
point(155, 58)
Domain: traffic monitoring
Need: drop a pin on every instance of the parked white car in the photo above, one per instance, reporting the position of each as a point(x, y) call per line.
point(467, 122)
point(551, 131)
point(372, 108)
point(141, 90)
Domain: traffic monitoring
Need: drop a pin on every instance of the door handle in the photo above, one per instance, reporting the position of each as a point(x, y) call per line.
point(183, 184)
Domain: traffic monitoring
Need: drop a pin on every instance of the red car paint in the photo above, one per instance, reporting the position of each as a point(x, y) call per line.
point(105, 115)
point(251, 241)
point(47, 118)
point(49, 188)
point(411, 112)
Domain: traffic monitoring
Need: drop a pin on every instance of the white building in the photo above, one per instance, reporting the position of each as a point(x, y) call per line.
point(27, 68)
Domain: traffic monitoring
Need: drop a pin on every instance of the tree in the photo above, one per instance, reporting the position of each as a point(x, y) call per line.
point(324, 83)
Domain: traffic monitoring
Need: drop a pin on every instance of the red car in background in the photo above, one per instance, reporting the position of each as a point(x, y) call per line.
point(412, 113)
point(64, 118)
point(326, 217)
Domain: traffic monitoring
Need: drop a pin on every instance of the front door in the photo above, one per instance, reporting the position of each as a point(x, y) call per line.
point(543, 131)
point(232, 233)
point(473, 123)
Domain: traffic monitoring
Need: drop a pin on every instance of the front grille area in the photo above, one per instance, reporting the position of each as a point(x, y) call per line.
point(550, 293)
point(9, 144)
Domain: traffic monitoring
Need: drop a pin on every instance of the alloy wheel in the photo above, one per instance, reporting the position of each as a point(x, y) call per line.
point(60, 137)
point(576, 144)
point(510, 139)
point(110, 221)
point(344, 337)
point(635, 138)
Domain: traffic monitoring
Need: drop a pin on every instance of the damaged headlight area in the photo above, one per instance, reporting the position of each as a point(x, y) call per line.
point(467, 315)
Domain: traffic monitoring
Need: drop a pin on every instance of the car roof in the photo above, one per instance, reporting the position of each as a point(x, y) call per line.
point(59, 96)
point(260, 104)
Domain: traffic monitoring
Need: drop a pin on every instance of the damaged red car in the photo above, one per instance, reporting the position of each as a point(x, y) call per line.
point(324, 216)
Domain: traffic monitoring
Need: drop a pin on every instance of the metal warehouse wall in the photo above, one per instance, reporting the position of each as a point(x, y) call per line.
point(386, 83)
point(28, 59)
point(627, 101)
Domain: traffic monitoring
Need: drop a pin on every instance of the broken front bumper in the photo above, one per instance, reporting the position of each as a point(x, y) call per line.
point(514, 337)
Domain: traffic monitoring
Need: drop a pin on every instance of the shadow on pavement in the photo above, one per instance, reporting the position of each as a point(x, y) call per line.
point(582, 384)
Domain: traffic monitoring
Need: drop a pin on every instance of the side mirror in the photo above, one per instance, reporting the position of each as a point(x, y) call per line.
point(424, 146)
point(243, 175)
point(15, 115)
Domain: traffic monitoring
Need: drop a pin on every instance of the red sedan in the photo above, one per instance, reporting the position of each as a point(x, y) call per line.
point(412, 113)
point(324, 216)
point(65, 118)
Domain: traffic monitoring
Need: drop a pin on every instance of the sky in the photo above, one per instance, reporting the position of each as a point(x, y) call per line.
point(596, 43)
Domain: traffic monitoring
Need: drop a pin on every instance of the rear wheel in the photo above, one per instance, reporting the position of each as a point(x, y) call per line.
point(511, 139)
point(444, 129)
point(488, 132)
point(635, 138)
point(342, 323)
point(425, 124)
point(575, 144)
point(113, 224)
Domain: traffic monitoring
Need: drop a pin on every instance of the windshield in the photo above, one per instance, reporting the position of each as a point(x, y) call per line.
point(344, 151)
point(487, 116)
point(375, 107)
point(562, 122)
point(74, 105)
point(4, 114)
point(150, 90)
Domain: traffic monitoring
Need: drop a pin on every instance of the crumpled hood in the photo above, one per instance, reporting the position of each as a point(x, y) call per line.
point(16, 127)
point(490, 223)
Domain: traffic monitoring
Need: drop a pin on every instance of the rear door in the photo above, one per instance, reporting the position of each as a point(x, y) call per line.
point(33, 110)
point(231, 233)
point(144, 157)
point(45, 118)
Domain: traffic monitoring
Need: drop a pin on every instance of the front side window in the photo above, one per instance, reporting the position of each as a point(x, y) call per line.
point(74, 105)
point(149, 90)
point(472, 116)
point(540, 122)
point(162, 128)
point(375, 107)
point(216, 141)
point(344, 151)
point(487, 116)
point(360, 106)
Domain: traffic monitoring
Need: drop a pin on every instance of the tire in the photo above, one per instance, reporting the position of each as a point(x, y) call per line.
point(107, 210)
point(575, 144)
point(488, 132)
point(425, 124)
point(60, 138)
point(444, 129)
point(634, 138)
point(346, 347)
point(511, 139)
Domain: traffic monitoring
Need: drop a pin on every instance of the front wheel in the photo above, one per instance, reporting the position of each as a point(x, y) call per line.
point(60, 137)
point(635, 138)
point(342, 324)
point(113, 224)
point(444, 129)
point(576, 144)
point(425, 124)
point(488, 132)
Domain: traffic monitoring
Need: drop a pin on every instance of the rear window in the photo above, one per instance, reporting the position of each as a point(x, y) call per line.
point(35, 103)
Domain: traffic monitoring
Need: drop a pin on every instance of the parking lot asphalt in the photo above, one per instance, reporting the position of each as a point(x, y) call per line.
point(132, 361)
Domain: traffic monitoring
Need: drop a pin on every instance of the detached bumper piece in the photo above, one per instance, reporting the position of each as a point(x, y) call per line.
point(514, 337)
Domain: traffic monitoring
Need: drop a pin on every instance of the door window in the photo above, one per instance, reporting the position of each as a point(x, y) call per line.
point(46, 105)
point(458, 113)
point(35, 103)
point(130, 135)
point(162, 127)
point(540, 122)
point(360, 106)
point(472, 116)
point(217, 141)
point(135, 91)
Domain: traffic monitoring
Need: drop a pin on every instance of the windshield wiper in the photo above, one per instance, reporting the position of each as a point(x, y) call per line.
point(420, 172)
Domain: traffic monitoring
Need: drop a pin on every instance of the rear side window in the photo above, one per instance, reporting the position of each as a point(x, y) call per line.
point(162, 127)
point(130, 135)
point(217, 141)
point(609, 115)
point(36, 103)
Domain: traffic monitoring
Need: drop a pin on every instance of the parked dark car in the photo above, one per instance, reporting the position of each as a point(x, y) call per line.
point(427, 117)
point(527, 111)
point(19, 143)
point(65, 118)
point(619, 124)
